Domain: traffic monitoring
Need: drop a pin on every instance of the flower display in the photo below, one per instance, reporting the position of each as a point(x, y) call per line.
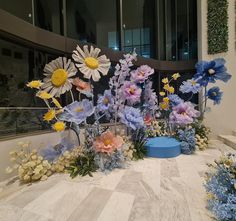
point(131, 92)
point(190, 86)
point(183, 113)
point(221, 188)
point(105, 101)
point(35, 84)
point(83, 87)
point(131, 117)
point(58, 76)
point(89, 63)
point(141, 74)
point(215, 94)
point(107, 142)
point(77, 112)
point(209, 72)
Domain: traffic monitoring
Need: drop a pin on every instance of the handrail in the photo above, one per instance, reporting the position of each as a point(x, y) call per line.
point(20, 31)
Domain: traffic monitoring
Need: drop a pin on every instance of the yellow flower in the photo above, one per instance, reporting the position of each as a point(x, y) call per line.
point(34, 84)
point(162, 93)
point(49, 115)
point(171, 90)
point(165, 80)
point(59, 126)
point(44, 95)
point(166, 100)
point(166, 87)
point(175, 76)
point(164, 105)
point(56, 102)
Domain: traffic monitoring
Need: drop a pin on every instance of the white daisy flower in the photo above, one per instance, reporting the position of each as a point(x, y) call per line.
point(58, 76)
point(89, 63)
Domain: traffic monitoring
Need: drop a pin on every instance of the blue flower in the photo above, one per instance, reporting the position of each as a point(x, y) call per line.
point(175, 99)
point(211, 71)
point(215, 94)
point(77, 112)
point(105, 101)
point(131, 117)
point(190, 86)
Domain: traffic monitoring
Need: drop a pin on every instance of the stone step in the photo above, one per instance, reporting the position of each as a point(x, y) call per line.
point(229, 140)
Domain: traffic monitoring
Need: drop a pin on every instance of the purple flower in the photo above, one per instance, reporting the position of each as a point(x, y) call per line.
point(141, 74)
point(215, 94)
point(210, 71)
point(190, 86)
point(183, 113)
point(77, 112)
point(131, 117)
point(131, 92)
point(175, 99)
point(150, 97)
point(105, 101)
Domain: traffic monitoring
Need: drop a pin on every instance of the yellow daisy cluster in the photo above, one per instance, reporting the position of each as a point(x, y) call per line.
point(66, 159)
point(128, 149)
point(29, 164)
point(156, 130)
point(202, 140)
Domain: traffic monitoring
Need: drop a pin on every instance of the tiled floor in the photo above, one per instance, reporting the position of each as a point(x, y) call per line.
point(148, 190)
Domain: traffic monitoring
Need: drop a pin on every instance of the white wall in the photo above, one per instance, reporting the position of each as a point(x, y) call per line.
point(221, 119)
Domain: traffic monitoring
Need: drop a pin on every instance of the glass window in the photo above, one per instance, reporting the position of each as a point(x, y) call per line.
point(22, 10)
point(48, 15)
point(93, 21)
point(139, 26)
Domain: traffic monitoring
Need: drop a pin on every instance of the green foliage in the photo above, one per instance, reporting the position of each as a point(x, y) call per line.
point(139, 140)
point(217, 21)
point(83, 165)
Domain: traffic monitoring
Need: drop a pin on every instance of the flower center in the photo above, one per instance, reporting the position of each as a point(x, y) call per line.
point(214, 93)
point(107, 142)
point(141, 73)
point(91, 62)
point(183, 113)
point(211, 71)
point(193, 82)
point(132, 91)
point(79, 109)
point(106, 101)
point(59, 77)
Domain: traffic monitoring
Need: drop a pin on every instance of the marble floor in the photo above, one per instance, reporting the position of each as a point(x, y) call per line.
point(148, 190)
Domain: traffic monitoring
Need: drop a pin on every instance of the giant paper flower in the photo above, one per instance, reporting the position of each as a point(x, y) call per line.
point(83, 87)
point(215, 94)
point(190, 86)
point(131, 117)
point(89, 63)
point(77, 112)
point(211, 71)
point(131, 92)
point(183, 114)
point(108, 142)
point(58, 76)
point(141, 74)
point(105, 101)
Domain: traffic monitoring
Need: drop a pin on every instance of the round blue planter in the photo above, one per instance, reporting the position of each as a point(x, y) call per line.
point(163, 147)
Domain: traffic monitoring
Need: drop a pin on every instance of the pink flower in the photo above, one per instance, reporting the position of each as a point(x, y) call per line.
point(82, 86)
point(184, 113)
point(141, 74)
point(131, 92)
point(108, 142)
point(148, 119)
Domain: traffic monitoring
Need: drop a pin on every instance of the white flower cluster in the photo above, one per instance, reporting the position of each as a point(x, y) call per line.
point(156, 130)
point(201, 142)
point(29, 164)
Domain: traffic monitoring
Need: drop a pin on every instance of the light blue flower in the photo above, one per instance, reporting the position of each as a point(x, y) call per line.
point(190, 86)
point(131, 117)
point(175, 99)
point(211, 71)
point(77, 112)
point(105, 101)
point(215, 94)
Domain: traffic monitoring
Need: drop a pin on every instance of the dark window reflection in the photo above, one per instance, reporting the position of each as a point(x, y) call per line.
point(48, 15)
point(21, 9)
point(93, 21)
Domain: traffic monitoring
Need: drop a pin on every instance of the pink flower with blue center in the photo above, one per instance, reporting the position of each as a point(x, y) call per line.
point(131, 117)
point(141, 74)
point(183, 114)
point(210, 71)
point(77, 112)
point(105, 101)
point(215, 94)
point(131, 92)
